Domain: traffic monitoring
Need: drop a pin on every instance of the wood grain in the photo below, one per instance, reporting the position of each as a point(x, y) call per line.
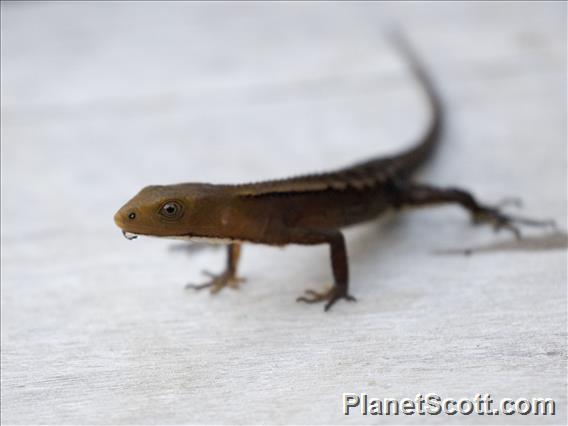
point(101, 99)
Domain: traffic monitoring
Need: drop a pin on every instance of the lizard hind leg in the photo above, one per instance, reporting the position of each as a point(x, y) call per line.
point(421, 195)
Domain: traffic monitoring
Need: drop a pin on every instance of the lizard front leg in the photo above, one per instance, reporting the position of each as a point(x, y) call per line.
point(421, 195)
point(338, 254)
point(228, 277)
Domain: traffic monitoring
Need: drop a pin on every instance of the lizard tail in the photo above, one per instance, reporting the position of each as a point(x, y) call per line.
point(408, 161)
point(404, 164)
point(376, 171)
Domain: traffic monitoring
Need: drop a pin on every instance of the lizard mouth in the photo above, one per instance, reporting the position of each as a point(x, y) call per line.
point(129, 235)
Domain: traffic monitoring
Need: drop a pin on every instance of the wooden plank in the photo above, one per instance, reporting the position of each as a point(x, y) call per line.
point(100, 99)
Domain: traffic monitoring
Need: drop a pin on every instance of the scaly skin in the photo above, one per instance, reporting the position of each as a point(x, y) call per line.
point(304, 210)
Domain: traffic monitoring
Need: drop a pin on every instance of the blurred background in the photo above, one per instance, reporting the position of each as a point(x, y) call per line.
point(100, 99)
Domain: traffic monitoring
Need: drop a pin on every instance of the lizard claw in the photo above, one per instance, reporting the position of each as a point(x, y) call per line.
point(500, 220)
point(218, 282)
point(331, 296)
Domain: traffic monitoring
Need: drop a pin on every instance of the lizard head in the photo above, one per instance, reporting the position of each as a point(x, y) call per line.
point(163, 211)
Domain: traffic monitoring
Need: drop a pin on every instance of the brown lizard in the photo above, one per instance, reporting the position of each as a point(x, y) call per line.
point(304, 210)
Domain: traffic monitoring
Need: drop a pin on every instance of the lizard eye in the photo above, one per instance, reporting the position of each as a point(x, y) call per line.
point(171, 209)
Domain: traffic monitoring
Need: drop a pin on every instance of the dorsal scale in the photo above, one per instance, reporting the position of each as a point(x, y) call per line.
point(361, 177)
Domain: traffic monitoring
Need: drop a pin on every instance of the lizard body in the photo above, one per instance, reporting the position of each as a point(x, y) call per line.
point(305, 210)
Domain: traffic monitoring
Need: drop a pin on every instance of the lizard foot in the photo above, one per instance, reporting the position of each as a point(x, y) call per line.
point(500, 220)
point(218, 282)
point(331, 296)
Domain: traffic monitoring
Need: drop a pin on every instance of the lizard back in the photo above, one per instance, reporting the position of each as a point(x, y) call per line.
point(367, 175)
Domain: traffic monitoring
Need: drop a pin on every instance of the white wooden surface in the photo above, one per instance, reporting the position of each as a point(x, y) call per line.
point(99, 100)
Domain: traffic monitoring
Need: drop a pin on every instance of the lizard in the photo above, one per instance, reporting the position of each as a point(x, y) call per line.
point(306, 210)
